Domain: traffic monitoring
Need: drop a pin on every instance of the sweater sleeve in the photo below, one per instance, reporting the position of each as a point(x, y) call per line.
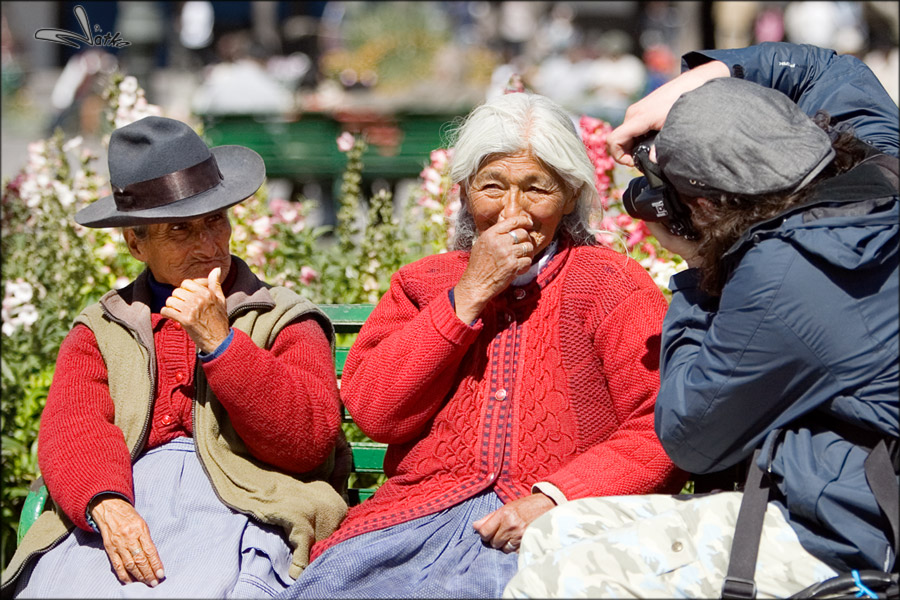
point(403, 364)
point(283, 402)
point(817, 79)
point(631, 460)
point(81, 452)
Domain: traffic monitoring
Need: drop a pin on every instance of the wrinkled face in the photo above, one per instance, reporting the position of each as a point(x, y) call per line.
point(184, 250)
point(514, 184)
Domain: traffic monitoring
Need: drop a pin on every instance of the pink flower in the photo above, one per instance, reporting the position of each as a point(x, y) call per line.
point(345, 141)
point(440, 158)
point(308, 275)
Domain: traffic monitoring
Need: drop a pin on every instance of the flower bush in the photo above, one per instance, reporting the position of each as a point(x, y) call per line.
point(615, 227)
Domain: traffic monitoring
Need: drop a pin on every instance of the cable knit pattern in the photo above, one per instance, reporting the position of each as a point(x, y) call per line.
point(555, 382)
point(274, 399)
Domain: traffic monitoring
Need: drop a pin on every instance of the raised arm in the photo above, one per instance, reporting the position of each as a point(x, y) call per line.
point(816, 79)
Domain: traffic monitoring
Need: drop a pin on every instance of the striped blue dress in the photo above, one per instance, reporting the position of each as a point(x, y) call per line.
point(207, 549)
point(435, 556)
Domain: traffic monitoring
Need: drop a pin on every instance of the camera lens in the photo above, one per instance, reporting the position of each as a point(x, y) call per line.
point(635, 187)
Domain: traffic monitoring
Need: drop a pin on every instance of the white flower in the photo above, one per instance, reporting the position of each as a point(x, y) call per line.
point(18, 292)
point(121, 282)
point(129, 85)
point(370, 284)
point(63, 193)
point(345, 141)
point(255, 250)
point(127, 100)
point(107, 251)
point(28, 315)
point(8, 328)
point(262, 226)
point(72, 144)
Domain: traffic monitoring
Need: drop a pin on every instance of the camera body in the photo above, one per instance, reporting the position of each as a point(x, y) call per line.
point(652, 198)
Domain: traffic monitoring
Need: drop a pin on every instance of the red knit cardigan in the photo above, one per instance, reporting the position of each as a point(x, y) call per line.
point(555, 382)
point(283, 402)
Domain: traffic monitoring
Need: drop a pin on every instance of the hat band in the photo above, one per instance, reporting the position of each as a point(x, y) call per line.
point(170, 187)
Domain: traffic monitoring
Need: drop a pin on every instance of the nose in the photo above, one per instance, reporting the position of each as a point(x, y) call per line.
point(204, 243)
point(513, 204)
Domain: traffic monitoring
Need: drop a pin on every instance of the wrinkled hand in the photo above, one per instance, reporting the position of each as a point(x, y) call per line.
point(649, 113)
point(127, 541)
point(494, 262)
point(686, 249)
point(503, 528)
point(199, 305)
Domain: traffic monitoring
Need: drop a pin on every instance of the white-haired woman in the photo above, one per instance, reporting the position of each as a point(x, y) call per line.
point(512, 374)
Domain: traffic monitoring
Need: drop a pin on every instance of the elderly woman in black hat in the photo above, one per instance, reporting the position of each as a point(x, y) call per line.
point(188, 441)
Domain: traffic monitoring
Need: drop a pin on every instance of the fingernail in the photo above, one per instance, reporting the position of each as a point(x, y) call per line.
point(154, 583)
point(161, 574)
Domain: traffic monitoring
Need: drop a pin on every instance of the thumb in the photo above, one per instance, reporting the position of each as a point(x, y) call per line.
point(213, 282)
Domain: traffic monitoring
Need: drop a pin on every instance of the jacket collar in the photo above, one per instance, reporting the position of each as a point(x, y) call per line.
point(865, 183)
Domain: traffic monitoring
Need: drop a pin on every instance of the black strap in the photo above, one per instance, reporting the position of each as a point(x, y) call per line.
point(882, 478)
point(739, 582)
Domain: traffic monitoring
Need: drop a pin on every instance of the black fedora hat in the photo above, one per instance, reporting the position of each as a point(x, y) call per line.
point(161, 171)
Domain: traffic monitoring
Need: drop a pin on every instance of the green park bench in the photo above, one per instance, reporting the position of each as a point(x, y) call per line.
point(305, 148)
point(368, 456)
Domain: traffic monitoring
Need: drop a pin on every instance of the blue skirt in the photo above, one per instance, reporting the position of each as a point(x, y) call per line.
point(436, 556)
point(207, 549)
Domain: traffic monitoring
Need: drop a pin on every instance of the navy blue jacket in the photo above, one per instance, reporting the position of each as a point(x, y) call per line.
point(806, 329)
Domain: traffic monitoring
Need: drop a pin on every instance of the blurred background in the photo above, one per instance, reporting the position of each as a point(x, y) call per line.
point(286, 78)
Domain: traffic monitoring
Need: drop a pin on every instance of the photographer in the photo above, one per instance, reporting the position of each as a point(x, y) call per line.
point(781, 338)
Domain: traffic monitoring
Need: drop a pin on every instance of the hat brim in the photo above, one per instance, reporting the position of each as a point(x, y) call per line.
point(243, 172)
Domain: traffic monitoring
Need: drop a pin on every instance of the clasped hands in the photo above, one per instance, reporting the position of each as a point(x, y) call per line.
point(199, 306)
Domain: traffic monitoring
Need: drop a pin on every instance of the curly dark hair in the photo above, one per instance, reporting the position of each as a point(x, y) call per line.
point(735, 213)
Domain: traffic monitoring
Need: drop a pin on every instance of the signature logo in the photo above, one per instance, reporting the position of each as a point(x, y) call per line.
point(68, 38)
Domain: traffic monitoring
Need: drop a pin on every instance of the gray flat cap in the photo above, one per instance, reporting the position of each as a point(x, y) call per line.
point(731, 135)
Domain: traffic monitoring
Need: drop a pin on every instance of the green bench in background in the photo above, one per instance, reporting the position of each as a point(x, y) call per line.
point(305, 148)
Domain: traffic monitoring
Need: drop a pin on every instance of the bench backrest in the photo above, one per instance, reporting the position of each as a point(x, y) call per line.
point(368, 456)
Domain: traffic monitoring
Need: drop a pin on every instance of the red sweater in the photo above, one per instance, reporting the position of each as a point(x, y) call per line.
point(555, 382)
point(283, 403)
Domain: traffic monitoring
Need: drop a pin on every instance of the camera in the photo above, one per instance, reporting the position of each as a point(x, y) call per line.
point(652, 198)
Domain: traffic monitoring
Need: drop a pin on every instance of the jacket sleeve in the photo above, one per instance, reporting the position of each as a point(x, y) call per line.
point(817, 79)
point(730, 374)
point(283, 402)
point(404, 363)
point(81, 452)
point(631, 460)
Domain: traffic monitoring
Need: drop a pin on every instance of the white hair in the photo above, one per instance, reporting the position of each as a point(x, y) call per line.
point(512, 123)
